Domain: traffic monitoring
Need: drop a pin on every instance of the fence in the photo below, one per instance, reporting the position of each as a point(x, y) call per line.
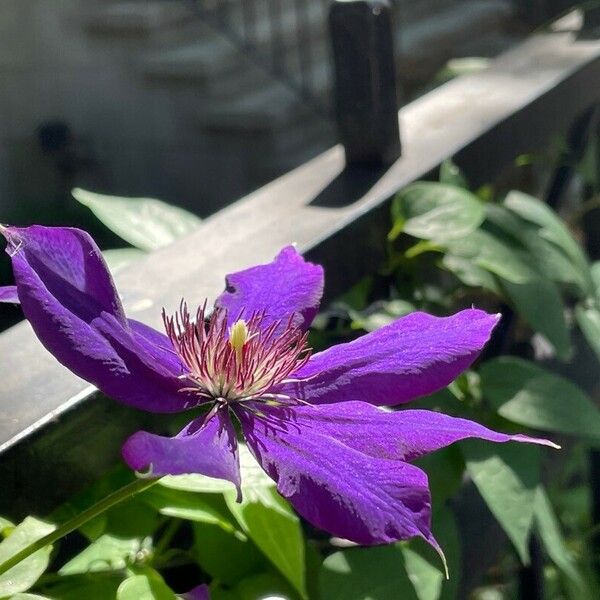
point(337, 215)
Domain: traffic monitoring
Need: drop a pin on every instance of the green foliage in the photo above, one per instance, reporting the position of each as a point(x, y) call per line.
point(507, 476)
point(145, 223)
point(270, 523)
point(92, 586)
point(189, 506)
point(529, 395)
point(588, 319)
point(450, 174)
point(549, 529)
point(107, 553)
point(436, 212)
point(366, 574)
point(118, 258)
point(380, 314)
point(243, 557)
point(495, 253)
point(550, 228)
point(147, 585)
point(6, 527)
point(22, 576)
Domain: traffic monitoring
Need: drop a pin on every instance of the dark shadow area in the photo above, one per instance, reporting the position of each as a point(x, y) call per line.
point(349, 186)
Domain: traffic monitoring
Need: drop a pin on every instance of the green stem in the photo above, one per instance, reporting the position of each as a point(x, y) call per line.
point(126, 492)
point(167, 536)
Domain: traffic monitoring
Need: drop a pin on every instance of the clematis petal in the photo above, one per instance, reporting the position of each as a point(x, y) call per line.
point(402, 435)
point(147, 377)
point(414, 356)
point(208, 447)
point(68, 296)
point(68, 264)
point(350, 493)
point(9, 294)
point(287, 287)
point(198, 593)
point(158, 345)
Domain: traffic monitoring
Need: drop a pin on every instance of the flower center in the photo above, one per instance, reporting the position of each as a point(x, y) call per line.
point(242, 362)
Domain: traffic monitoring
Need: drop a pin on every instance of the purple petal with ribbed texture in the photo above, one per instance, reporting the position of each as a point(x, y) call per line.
point(205, 447)
point(68, 296)
point(158, 345)
point(414, 356)
point(349, 493)
point(400, 435)
point(198, 593)
point(9, 294)
point(68, 264)
point(287, 287)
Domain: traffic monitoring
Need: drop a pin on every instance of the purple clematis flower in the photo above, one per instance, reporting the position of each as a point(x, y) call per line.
point(198, 593)
point(311, 421)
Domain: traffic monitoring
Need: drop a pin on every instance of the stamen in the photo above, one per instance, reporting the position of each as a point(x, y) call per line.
point(240, 363)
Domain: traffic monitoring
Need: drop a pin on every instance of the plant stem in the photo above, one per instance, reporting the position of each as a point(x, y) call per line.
point(170, 530)
point(126, 492)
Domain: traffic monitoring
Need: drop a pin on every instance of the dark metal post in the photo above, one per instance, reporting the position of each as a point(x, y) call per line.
point(366, 99)
point(531, 577)
point(578, 138)
point(591, 18)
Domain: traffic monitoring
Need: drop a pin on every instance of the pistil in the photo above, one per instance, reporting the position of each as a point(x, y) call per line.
point(240, 363)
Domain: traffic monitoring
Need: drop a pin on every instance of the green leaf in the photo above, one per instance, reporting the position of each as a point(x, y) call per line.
point(450, 174)
point(380, 314)
point(539, 303)
point(376, 573)
point(117, 258)
point(467, 65)
point(29, 597)
point(425, 576)
point(547, 258)
point(105, 553)
point(145, 223)
point(495, 254)
point(444, 469)
point(436, 211)
point(6, 527)
point(551, 535)
point(551, 226)
point(213, 543)
point(252, 477)
point(470, 273)
point(526, 394)
point(506, 476)
point(148, 585)
point(189, 506)
point(588, 319)
point(93, 586)
point(269, 522)
point(23, 575)
point(595, 274)
point(447, 534)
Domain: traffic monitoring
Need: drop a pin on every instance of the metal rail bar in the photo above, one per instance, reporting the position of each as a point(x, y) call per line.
point(528, 95)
